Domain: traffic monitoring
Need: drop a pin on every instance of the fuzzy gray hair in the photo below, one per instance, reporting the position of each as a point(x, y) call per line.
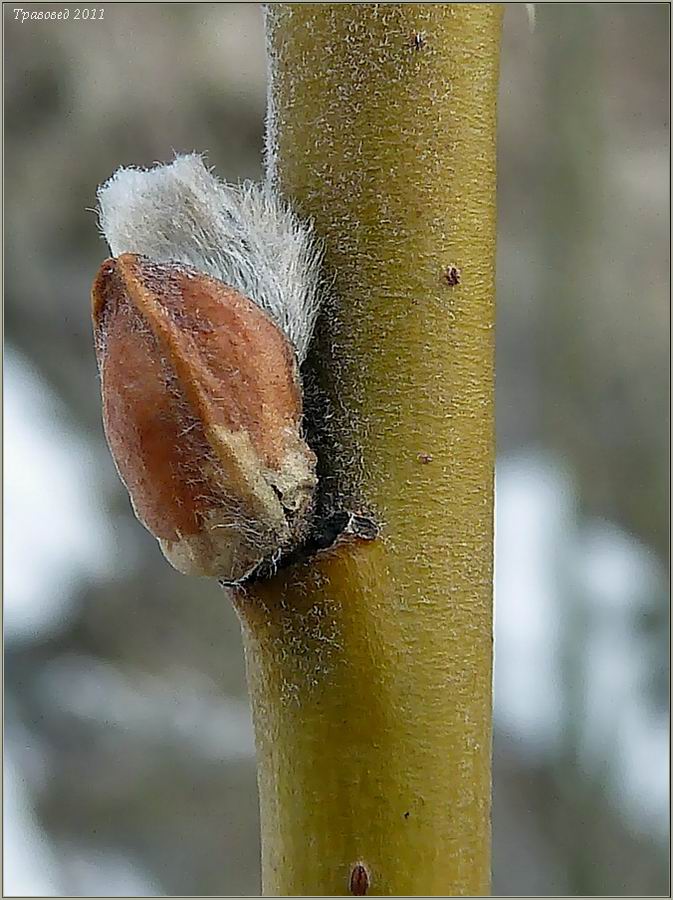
point(245, 235)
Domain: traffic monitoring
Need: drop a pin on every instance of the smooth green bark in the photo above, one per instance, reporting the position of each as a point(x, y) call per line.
point(370, 668)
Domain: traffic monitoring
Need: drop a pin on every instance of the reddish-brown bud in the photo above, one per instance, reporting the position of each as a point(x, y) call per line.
point(202, 411)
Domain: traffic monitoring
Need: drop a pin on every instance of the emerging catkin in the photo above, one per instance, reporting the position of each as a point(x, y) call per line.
point(244, 235)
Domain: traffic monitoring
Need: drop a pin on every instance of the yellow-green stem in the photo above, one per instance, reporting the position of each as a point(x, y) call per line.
point(370, 668)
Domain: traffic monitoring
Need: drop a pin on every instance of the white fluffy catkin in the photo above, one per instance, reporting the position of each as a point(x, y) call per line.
point(245, 235)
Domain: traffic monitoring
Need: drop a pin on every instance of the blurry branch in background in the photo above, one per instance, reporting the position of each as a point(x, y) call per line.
point(370, 666)
point(604, 401)
point(581, 366)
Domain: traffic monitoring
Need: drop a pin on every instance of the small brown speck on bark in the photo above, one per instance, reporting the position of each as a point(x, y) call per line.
point(452, 275)
point(359, 883)
point(418, 41)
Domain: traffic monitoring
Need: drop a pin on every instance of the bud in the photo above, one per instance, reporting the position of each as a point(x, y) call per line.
point(202, 411)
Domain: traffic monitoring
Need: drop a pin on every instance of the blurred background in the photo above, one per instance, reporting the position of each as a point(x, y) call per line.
point(129, 764)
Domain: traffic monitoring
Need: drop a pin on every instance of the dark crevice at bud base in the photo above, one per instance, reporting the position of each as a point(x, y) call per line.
point(326, 534)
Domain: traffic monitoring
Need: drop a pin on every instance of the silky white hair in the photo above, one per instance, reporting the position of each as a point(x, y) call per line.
point(245, 235)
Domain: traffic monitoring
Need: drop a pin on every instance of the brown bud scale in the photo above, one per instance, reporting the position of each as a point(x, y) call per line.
point(359, 880)
point(202, 411)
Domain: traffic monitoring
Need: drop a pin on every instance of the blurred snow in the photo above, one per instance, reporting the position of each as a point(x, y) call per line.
point(566, 590)
point(30, 869)
point(97, 873)
point(619, 576)
point(181, 706)
point(34, 868)
point(56, 535)
point(533, 512)
point(55, 531)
